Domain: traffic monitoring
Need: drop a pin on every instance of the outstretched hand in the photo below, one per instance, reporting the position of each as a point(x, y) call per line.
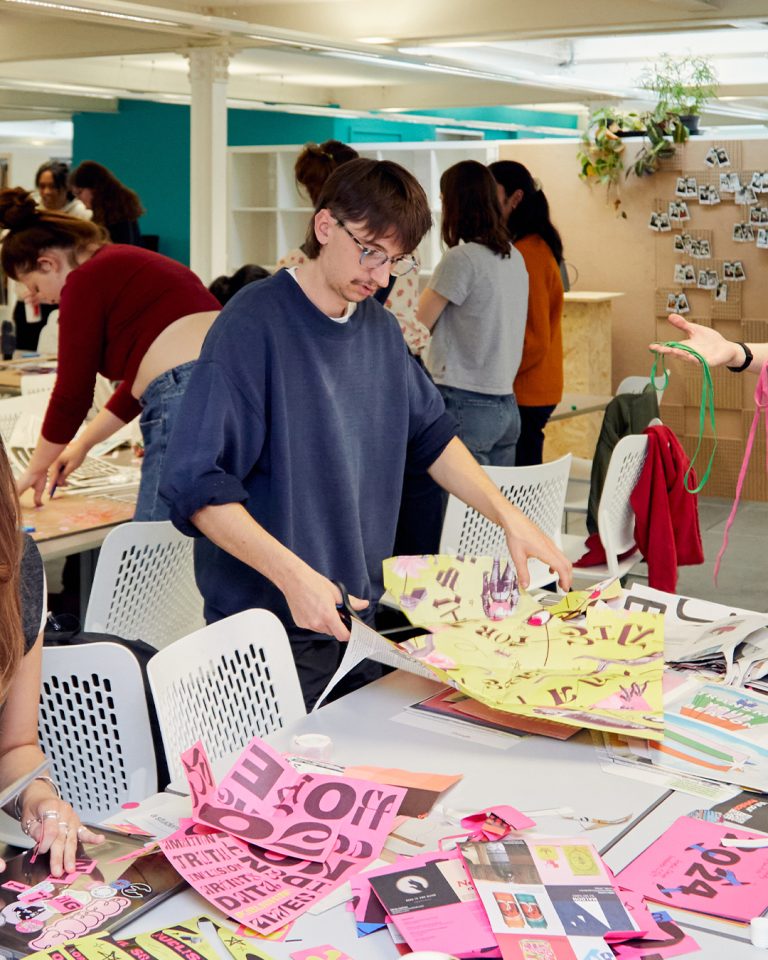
point(715, 349)
point(525, 540)
point(67, 461)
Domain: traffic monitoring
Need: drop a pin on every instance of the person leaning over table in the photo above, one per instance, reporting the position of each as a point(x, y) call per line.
point(43, 815)
point(29, 316)
point(475, 303)
point(716, 350)
point(127, 313)
point(309, 410)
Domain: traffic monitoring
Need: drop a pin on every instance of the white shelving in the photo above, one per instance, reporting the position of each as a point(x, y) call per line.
point(269, 217)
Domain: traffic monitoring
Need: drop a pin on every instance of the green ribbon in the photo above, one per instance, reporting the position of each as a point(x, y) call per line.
point(707, 400)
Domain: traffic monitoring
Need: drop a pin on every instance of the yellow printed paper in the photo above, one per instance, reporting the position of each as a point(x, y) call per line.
point(499, 647)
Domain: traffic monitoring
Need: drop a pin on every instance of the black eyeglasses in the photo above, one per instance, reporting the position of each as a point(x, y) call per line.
point(369, 257)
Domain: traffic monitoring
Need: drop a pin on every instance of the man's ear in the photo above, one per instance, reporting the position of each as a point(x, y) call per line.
point(324, 222)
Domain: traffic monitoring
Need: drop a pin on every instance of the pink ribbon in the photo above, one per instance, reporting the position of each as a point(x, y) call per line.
point(761, 404)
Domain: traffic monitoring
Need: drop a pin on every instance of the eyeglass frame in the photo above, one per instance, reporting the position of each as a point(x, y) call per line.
point(370, 252)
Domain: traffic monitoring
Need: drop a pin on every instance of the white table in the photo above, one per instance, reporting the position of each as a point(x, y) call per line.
point(534, 774)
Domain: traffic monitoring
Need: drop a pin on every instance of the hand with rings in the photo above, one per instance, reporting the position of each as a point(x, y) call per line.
point(55, 827)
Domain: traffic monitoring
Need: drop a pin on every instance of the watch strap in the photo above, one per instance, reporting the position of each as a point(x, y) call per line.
point(748, 358)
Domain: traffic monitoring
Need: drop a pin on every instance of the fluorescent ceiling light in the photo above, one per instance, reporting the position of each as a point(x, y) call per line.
point(69, 8)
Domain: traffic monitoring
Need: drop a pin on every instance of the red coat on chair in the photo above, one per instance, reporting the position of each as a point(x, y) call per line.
point(666, 515)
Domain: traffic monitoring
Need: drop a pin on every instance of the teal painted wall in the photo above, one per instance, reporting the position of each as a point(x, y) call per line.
point(146, 145)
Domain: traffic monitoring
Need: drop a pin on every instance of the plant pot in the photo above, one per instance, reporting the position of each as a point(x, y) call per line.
point(691, 122)
point(624, 134)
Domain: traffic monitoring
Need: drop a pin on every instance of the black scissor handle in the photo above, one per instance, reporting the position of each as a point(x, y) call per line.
point(344, 608)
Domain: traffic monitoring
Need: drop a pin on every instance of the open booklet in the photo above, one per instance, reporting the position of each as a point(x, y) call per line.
point(705, 636)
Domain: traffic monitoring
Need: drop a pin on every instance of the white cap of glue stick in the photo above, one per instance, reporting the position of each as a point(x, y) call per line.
point(313, 746)
point(758, 930)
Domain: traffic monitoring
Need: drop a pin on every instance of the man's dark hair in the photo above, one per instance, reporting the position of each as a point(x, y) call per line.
point(379, 193)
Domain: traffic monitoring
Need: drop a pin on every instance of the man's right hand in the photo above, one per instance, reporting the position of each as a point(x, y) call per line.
point(312, 600)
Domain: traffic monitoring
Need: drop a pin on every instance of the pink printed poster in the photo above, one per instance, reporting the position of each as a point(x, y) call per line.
point(687, 867)
point(285, 815)
point(263, 800)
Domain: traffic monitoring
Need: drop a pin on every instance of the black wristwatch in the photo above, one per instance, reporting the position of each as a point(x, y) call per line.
point(748, 358)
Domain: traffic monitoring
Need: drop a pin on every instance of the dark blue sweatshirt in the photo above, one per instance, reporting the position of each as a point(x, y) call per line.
point(310, 424)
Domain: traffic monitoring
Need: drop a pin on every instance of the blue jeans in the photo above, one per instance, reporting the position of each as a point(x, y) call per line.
point(488, 424)
point(160, 404)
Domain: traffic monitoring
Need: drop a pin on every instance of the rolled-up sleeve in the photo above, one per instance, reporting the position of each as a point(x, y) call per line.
point(216, 442)
point(431, 429)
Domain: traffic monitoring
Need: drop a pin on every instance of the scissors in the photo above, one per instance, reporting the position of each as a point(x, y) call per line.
point(344, 608)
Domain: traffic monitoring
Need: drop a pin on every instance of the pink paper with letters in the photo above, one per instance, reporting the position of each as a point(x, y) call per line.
point(263, 800)
point(261, 884)
point(496, 822)
point(687, 867)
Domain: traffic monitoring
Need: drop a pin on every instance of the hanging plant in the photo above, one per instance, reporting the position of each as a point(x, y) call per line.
point(683, 85)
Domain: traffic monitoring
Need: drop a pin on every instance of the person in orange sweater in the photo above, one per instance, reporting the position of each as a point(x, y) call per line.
point(538, 385)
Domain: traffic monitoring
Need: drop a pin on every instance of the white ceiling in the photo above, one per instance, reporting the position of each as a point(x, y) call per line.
point(57, 57)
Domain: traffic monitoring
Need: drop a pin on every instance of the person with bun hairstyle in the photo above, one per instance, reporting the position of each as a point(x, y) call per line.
point(539, 381)
point(127, 313)
point(115, 207)
point(224, 287)
point(476, 301)
point(29, 316)
point(43, 814)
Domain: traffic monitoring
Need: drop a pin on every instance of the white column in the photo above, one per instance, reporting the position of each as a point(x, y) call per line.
point(208, 71)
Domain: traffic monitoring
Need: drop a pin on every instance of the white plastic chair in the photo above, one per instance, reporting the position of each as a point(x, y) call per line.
point(94, 727)
point(231, 681)
point(144, 586)
point(30, 383)
point(539, 491)
point(577, 500)
point(615, 516)
point(13, 408)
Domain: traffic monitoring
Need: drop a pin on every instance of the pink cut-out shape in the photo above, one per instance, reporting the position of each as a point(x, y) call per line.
point(130, 805)
point(15, 885)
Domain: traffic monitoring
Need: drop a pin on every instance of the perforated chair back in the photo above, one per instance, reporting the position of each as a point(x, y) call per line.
point(615, 516)
point(12, 408)
point(144, 586)
point(94, 727)
point(231, 681)
point(539, 491)
point(638, 384)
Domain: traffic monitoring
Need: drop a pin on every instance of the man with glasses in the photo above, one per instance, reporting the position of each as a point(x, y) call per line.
point(300, 421)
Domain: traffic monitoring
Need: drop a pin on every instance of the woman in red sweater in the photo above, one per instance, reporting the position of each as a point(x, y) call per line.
point(127, 313)
point(539, 380)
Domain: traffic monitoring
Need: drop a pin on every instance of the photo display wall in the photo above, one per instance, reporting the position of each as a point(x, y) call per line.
point(711, 226)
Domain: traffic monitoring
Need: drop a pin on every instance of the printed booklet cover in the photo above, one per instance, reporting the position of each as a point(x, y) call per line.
point(547, 898)
point(104, 892)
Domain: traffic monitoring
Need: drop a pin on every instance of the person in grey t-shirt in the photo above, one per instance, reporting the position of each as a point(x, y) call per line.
point(477, 303)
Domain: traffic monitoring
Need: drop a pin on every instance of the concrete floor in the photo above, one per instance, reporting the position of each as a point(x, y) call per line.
point(743, 579)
